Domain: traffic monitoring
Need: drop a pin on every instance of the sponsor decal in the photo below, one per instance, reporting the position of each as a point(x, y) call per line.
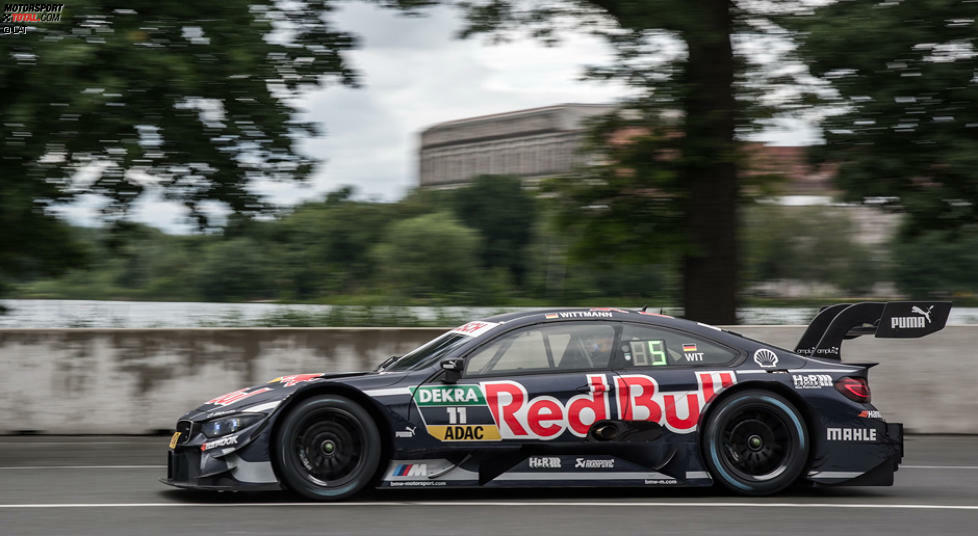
point(544, 462)
point(689, 348)
point(222, 442)
point(870, 414)
point(503, 409)
point(289, 381)
point(411, 470)
point(464, 432)
point(236, 396)
point(408, 431)
point(551, 316)
point(811, 381)
point(173, 440)
point(832, 350)
point(920, 321)
point(608, 309)
point(587, 463)
point(851, 434)
point(766, 358)
point(661, 482)
point(474, 329)
point(582, 314)
point(638, 398)
point(449, 395)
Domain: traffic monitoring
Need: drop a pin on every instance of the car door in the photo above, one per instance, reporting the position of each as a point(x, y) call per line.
point(546, 382)
point(667, 376)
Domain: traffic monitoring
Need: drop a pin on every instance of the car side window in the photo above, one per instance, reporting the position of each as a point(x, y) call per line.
point(650, 346)
point(557, 346)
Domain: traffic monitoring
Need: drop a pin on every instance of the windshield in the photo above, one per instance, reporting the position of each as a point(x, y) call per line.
point(428, 352)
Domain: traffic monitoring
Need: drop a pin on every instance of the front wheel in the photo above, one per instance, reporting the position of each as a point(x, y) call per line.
point(756, 443)
point(327, 448)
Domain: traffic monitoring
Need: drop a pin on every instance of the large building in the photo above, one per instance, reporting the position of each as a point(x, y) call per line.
point(532, 144)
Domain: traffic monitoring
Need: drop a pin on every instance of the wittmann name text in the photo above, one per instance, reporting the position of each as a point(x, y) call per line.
point(32, 12)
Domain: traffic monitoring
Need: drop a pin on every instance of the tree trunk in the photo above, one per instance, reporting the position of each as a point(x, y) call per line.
point(710, 264)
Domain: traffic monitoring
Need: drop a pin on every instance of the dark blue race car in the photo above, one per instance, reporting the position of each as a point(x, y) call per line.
point(571, 397)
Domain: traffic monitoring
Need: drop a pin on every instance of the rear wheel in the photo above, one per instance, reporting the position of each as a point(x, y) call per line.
point(756, 443)
point(327, 448)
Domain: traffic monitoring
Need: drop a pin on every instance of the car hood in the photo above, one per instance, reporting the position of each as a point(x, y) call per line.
point(267, 396)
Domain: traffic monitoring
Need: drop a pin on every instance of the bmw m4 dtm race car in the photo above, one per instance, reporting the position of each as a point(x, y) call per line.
point(570, 397)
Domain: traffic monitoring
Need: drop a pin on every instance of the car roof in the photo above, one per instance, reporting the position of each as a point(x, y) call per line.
point(598, 313)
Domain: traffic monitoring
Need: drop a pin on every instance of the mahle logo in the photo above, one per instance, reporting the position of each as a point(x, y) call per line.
point(454, 395)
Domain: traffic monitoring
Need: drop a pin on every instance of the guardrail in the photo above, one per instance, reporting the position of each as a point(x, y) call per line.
point(133, 381)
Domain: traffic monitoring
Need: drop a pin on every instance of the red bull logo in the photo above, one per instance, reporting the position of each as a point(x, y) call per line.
point(637, 397)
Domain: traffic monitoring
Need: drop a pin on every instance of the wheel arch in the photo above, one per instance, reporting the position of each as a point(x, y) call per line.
point(779, 388)
point(376, 411)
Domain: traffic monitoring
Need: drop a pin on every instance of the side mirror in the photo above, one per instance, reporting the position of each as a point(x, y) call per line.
point(387, 362)
point(453, 369)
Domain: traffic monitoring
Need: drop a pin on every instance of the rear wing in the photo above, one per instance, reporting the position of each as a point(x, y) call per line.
point(885, 320)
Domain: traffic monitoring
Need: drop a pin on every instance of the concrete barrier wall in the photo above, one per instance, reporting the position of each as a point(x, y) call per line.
point(125, 381)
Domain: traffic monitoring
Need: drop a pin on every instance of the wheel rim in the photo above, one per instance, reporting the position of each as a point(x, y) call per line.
point(756, 443)
point(330, 447)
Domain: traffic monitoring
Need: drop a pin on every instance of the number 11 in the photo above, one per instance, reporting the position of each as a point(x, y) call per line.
point(456, 415)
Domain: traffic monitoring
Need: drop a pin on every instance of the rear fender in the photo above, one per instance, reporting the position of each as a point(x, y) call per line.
point(767, 385)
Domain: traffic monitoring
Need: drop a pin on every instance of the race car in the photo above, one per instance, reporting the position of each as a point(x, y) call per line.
point(567, 397)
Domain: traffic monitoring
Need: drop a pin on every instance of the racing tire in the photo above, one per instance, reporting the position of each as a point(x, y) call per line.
point(756, 443)
point(327, 448)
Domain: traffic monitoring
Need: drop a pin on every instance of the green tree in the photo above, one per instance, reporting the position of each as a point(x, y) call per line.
point(902, 119)
point(503, 213)
point(198, 102)
point(938, 263)
point(679, 196)
point(324, 248)
point(430, 256)
point(234, 270)
point(814, 244)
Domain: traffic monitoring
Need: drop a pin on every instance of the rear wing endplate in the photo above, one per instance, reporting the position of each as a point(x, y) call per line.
point(886, 320)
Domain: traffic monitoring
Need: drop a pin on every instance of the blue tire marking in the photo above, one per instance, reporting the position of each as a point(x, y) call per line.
point(723, 472)
point(716, 458)
point(801, 432)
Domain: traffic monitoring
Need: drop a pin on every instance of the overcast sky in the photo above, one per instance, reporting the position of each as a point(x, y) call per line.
point(414, 73)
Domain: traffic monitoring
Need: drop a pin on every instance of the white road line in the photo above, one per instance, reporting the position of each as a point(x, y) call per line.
point(36, 467)
point(972, 467)
point(564, 504)
point(138, 442)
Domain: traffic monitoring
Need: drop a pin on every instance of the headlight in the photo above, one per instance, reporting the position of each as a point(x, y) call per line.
point(230, 424)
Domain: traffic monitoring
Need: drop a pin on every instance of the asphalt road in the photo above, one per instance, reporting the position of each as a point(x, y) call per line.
point(108, 486)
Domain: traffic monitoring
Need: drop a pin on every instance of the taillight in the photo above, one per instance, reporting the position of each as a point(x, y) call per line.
point(855, 389)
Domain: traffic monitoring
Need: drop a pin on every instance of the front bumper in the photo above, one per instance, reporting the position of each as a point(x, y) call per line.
point(189, 468)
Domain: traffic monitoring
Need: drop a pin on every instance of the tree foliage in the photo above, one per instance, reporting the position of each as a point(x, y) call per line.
point(675, 189)
point(903, 118)
point(503, 213)
point(430, 256)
